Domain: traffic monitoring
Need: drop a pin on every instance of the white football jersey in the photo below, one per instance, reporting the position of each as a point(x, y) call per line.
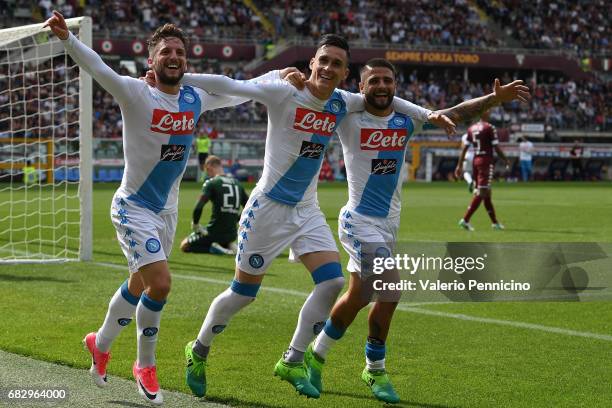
point(157, 129)
point(300, 127)
point(374, 148)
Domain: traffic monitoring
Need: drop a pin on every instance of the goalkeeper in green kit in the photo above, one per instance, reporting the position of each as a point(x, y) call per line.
point(227, 196)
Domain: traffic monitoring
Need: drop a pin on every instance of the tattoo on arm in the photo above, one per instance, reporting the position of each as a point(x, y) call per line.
point(471, 109)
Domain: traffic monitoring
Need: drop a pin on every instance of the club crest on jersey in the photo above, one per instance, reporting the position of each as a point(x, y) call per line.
point(384, 166)
point(311, 150)
point(172, 123)
point(172, 152)
point(335, 106)
point(153, 245)
point(383, 139)
point(188, 97)
point(310, 121)
point(399, 121)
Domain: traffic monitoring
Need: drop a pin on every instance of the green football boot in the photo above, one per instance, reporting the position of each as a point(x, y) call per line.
point(381, 387)
point(195, 372)
point(295, 374)
point(314, 366)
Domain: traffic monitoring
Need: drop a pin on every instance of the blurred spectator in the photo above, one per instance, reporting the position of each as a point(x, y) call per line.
point(212, 19)
point(576, 159)
point(327, 173)
point(525, 158)
point(582, 26)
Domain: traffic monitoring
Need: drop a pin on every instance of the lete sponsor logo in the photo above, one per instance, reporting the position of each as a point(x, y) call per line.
point(384, 166)
point(383, 139)
point(172, 123)
point(320, 123)
point(172, 152)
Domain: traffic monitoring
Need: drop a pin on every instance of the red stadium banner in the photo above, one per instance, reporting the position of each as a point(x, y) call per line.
point(133, 48)
point(569, 66)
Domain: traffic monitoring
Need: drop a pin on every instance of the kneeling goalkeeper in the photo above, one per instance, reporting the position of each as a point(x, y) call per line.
point(227, 196)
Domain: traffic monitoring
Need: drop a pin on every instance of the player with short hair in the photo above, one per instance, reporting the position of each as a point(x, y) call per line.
point(374, 144)
point(227, 196)
point(283, 209)
point(483, 136)
point(158, 126)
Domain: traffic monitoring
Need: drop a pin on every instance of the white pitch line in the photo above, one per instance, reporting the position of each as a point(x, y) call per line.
point(512, 323)
point(410, 309)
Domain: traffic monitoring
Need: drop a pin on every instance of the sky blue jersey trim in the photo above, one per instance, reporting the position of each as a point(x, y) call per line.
point(153, 193)
point(292, 185)
point(379, 189)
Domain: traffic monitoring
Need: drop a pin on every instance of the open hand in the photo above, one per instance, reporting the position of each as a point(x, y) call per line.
point(443, 122)
point(513, 90)
point(149, 78)
point(294, 77)
point(57, 24)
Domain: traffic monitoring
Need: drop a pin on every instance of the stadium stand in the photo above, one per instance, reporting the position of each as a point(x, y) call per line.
point(580, 26)
point(416, 22)
point(211, 19)
point(561, 103)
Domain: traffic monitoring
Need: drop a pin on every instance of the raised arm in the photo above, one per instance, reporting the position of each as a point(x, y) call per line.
point(88, 59)
point(471, 110)
point(423, 115)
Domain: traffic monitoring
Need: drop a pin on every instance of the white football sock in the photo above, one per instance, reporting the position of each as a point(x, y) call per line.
point(121, 308)
point(315, 311)
point(148, 317)
point(221, 310)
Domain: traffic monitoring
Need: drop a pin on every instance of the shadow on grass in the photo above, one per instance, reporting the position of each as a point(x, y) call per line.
point(402, 403)
point(20, 278)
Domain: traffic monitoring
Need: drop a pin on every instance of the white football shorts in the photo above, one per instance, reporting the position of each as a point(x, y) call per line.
point(267, 227)
point(356, 230)
point(145, 237)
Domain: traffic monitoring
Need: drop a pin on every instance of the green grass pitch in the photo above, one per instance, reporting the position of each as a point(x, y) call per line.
point(434, 360)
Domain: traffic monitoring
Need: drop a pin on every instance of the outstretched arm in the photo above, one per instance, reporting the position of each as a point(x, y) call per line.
point(88, 59)
point(472, 109)
point(437, 118)
point(266, 93)
point(213, 101)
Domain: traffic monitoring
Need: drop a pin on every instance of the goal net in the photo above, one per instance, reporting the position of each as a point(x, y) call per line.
point(45, 147)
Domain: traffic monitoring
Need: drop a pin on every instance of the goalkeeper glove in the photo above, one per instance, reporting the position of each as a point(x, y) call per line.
point(198, 229)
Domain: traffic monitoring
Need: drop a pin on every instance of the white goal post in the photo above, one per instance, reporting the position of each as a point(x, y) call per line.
point(45, 147)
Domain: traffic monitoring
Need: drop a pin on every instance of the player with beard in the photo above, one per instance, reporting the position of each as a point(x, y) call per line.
point(283, 209)
point(374, 144)
point(158, 126)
